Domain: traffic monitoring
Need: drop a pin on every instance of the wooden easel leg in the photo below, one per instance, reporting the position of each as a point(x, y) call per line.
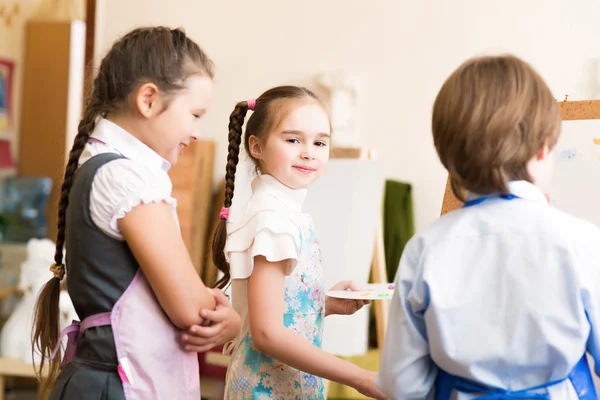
point(2, 387)
point(379, 275)
point(41, 395)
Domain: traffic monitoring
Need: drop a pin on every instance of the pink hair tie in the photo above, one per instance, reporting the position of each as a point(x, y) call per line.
point(251, 104)
point(224, 214)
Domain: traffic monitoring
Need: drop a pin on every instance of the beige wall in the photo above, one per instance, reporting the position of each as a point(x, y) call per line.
point(402, 51)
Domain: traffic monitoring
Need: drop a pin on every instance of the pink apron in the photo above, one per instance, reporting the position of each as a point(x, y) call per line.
point(152, 364)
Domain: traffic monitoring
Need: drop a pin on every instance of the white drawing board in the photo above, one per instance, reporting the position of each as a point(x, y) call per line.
point(577, 168)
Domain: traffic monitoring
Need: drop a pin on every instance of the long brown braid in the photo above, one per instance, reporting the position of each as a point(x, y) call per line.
point(267, 113)
point(236, 121)
point(158, 55)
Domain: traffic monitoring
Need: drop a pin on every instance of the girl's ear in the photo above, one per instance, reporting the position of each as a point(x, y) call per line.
point(255, 147)
point(146, 100)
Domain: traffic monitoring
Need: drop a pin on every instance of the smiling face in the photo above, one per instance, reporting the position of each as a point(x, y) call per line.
point(173, 122)
point(296, 151)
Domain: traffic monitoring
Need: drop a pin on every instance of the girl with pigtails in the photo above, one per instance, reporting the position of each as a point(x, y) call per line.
point(272, 257)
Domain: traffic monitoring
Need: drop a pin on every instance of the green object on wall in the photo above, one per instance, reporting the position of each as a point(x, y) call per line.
point(398, 223)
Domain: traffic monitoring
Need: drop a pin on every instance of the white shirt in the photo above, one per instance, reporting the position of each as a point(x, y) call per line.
point(268, 226)
point(122, 184)
point(497, 293)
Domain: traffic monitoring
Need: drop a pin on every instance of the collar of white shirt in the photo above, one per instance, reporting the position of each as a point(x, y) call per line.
point(293, 198)
point(128, 145)
point(521, 189)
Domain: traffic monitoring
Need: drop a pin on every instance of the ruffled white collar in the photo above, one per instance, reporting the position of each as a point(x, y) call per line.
point(293, 198)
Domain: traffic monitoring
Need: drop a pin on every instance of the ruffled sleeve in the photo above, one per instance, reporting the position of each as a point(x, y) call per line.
point(118, 187)
point(267, 233)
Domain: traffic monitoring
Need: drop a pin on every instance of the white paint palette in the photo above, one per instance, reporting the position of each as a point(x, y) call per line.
point(373, 291)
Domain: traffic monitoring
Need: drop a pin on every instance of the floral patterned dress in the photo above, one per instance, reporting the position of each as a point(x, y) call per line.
point(253, 375)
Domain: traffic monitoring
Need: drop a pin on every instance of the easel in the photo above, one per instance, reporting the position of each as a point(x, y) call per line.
point(378, 267)
point(569, 110)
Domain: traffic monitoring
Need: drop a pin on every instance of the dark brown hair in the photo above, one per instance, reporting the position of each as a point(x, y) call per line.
point(490, 118)
point(159, 55)
point(268, 112)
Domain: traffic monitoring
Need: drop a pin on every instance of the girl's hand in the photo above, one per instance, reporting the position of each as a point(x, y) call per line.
point(367, 387)
point(221, 326)
point(344, 306)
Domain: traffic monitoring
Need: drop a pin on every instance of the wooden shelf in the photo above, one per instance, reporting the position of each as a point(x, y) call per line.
point(14, 368)
point(17, 368)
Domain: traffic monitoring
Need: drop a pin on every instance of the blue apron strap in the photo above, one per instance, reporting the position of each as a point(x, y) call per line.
point(580, 377)
point(481, 199)
point(447, 383)
point(444, 384)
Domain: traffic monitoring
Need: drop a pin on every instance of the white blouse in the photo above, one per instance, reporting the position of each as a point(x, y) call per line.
point(122, 184)
point(269, 226)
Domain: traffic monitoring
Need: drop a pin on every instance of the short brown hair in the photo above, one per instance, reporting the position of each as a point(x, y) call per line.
point(490, 118)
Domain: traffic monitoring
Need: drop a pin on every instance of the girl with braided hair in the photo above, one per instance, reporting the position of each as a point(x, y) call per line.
point(272, 255)
point(129, 274)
